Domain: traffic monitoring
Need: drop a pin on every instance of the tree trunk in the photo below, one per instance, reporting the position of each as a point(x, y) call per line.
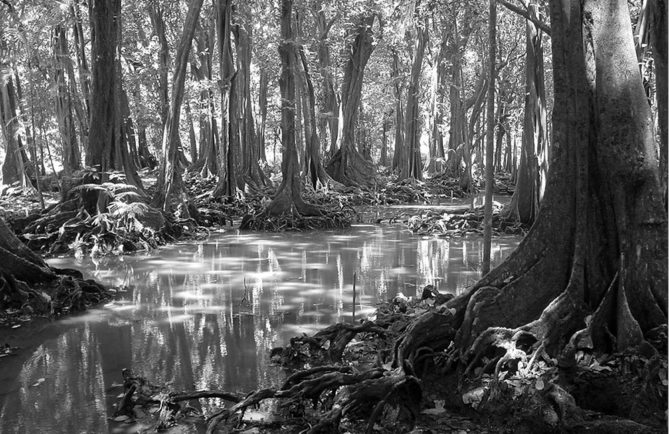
point(288, 198)
point(263, 88)
point(228, 164)
point(533, 168)
point(108, 147)
point(599, 243)
point(170, 186)
point(250, 143)
point(347, 166)
point(158, 24)
point(201, 68)
point(63, 101)
point(489, 163)
point(13, 168)
point(329, 107)
point(411, 166)
point(314, 165)
point(398, 155)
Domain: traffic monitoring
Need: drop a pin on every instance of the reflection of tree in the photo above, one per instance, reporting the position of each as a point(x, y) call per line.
point(72, 395)
point(207, 341)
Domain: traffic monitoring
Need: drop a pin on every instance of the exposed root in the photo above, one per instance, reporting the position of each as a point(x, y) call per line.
point(431, 330)
point(295, 221)
point(326, 346)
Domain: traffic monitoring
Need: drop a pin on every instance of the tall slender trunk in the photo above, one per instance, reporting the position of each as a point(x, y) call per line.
point(411, 166)
point(329, 107)
point(489, 169)
point(288, 198)
point(228, 171)
point(170, 185)
point(347, 165)
point(398, 155)
point(158, 24)
point(63, 101)
point(533, 167)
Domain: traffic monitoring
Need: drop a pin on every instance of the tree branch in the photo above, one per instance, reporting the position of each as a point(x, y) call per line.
point(525, 13)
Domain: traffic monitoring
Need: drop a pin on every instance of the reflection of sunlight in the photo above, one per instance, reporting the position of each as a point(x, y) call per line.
point(191, 295)
point(182, 320)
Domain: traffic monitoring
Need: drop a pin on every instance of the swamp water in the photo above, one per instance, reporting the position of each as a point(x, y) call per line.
point(204, 315)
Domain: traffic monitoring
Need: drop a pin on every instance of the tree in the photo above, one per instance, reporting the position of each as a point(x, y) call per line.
point(533, 168)
point(169, 180)
point(489, 165)
point(108, 142)
point(347, 166)
point(229, 155)
point(63, 101)
point(329, 105)
point(591, 273)
point(410, 161)
point(288, 197)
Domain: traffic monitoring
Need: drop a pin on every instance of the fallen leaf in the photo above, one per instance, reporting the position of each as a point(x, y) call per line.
point(121, 418)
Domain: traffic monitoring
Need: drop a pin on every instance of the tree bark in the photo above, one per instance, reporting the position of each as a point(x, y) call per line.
point(329, 105)
point(13, 168)
point(347, 166)
point(533, 168)
point(63, 101)
point(201, 69)
point(288, 199)
point(250, 143)
point(599, 244)
point(398, 85)
point(170, 185)
point(158, 24)
point(229, 159)
point(411, 166)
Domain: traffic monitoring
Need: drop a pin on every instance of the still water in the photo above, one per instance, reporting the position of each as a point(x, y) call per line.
point(204, 315)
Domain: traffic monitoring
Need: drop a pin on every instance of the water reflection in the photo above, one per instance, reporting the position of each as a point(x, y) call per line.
point(203, 315)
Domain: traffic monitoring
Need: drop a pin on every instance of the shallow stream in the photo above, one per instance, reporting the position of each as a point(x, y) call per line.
point(204, 315)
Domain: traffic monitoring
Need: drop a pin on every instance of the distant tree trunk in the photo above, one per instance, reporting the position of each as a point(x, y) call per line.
point(437, 152)
point(228, 164)
point(399, 154)
point(312, 156)
point(533, 168)
point(347, 166)
point(489, 165)
point(158, 24)
point(13, 168)
point(170, 186)
point(329, 105)
point(192, 140)
point(288, 198)
point(459, 148)
point(82, 66)
point(411, 167)
point(253, 175)
point(385, 127)
point(263, 88)
point(201, 68)
point(63, 101)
